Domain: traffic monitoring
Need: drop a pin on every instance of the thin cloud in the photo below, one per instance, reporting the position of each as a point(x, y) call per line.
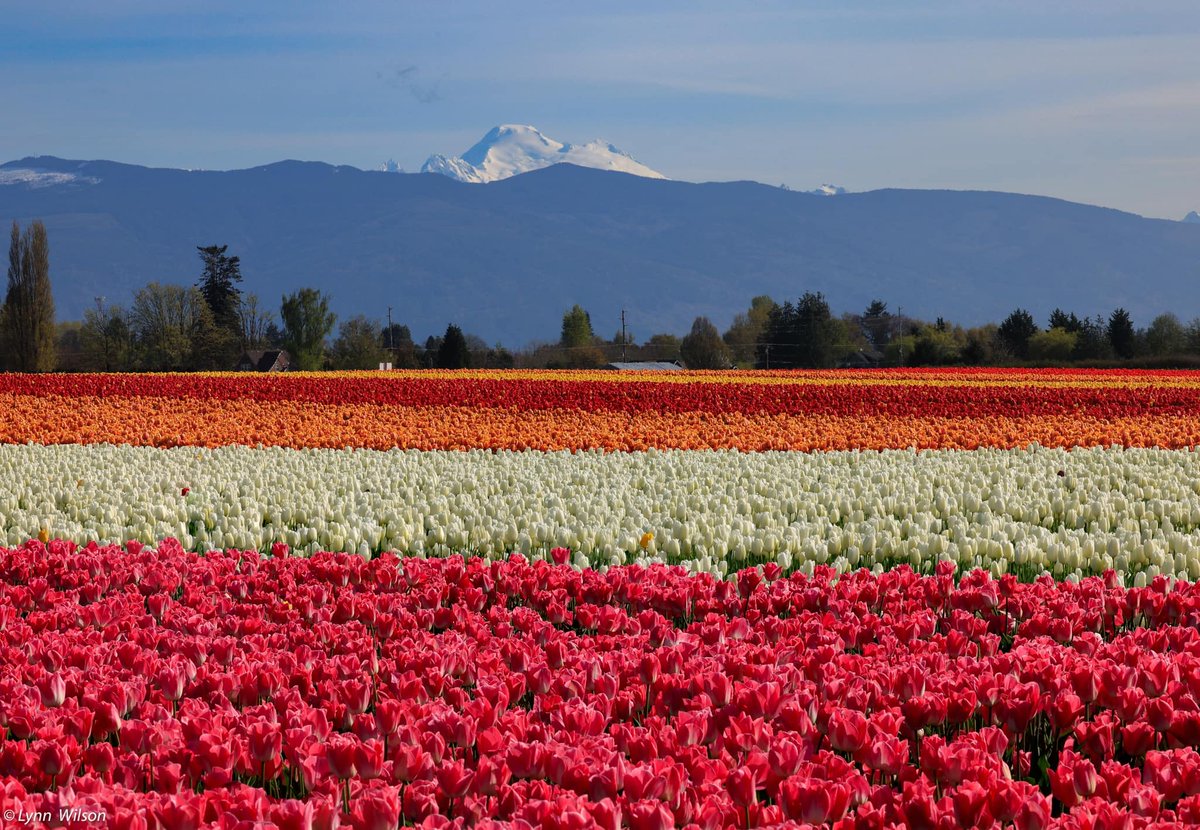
point(408, 78)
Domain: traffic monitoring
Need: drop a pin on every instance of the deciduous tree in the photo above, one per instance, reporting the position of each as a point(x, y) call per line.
point(576, 329)
point(170, 325)
point(357, 345)
point(703, 347)
point(307, 322)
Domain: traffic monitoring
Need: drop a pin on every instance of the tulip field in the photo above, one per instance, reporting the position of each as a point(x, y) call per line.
point(851, 599)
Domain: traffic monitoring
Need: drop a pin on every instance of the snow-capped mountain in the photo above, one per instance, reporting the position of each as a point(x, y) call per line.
point(511, 149)
point(828, 190)
point(390, 166)
point(1192, 218)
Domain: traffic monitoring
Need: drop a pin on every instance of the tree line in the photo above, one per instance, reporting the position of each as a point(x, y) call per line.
point(209, 326)
point(206, 326)
point(806, 334)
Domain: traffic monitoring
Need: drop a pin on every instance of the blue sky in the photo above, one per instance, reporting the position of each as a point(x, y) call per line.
point(1089, 100)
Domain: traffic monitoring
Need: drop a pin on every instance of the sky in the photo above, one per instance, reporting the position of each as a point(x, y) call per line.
point(1093, 101)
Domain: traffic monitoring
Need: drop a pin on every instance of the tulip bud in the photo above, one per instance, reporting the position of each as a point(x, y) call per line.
point(53, 690)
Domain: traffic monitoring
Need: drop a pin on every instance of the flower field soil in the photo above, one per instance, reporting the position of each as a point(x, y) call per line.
point(169, 689)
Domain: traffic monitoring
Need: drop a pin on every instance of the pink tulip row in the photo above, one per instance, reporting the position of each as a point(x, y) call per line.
point(172, 690)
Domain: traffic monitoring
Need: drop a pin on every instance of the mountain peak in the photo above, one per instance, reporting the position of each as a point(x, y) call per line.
point(511, 149)
point(1192, 218)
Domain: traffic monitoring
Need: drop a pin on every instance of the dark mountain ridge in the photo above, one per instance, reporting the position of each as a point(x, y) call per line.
point(506, 259)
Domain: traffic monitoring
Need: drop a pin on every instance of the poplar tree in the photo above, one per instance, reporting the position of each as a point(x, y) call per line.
point(29, 304)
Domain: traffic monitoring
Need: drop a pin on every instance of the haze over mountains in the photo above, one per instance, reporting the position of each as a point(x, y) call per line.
point(505, 259)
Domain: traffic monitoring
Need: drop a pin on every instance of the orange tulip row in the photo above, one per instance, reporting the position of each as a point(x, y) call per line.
point(166, 422)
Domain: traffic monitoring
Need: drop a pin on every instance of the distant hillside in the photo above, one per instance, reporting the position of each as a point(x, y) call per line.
point(506, 259)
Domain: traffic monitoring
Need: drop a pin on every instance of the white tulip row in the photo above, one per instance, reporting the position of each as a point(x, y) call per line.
point(1069, 513)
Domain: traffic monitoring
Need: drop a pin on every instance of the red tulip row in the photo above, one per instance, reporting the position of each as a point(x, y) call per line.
point(173, 690)
point(939, 394)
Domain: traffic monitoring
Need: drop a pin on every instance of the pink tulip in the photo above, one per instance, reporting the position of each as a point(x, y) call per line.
point(53, 690)
point(847, 730)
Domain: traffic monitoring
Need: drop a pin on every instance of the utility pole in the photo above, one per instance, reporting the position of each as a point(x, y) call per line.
point(624, 336)
point(391, 345)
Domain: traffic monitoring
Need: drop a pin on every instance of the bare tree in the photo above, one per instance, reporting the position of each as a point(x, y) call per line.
point(253, 323)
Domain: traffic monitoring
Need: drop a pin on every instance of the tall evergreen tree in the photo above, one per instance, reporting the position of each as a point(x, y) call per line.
point(1015, 331)
point(1059, 319)
point(218, 284)
point(453, 352)
point(28, 318)
point(1120, 333)
point(804, 335)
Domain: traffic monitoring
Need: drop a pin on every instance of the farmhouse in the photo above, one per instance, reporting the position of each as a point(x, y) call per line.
point(271, 360)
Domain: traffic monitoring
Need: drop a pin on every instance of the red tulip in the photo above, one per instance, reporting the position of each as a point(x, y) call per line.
point(742, 787)
point(847, 730)
point(1138, 738)
point(377, 808)
point(368, 759)
point(454, 779)
point(342, 754)
point(293, 815)
point(1065, 711)
point(969, 799)
point(811, 801)
point(171, 680)
point(650, 815)
point(884, 753)
point(266, 741)
point(53, 690)
point(1159, 713)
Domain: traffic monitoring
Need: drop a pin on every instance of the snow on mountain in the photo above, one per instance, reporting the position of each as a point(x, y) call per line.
point(33, 177)
point(390, 166)
point(511, 149)
point(828, 190)
point(1192, 218)
point(456, 168)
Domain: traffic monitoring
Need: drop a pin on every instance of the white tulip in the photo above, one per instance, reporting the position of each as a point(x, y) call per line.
point(1135, 510)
